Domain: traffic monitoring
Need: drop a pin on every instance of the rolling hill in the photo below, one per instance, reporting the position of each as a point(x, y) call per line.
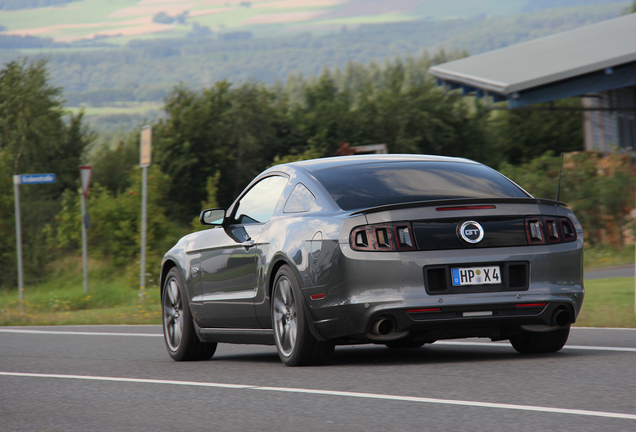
point(119, 21)
point(120, 58)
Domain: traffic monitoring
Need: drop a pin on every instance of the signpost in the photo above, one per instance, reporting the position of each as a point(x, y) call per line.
point(85, 176)
point(17, 181)
point(144, 163)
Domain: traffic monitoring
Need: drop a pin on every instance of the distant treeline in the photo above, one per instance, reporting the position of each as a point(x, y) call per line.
point(30, 4)
point(22, 42)
point(533, 5)
point(152, 67)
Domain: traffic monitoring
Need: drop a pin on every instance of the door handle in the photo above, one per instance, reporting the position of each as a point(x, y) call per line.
point(248, 244)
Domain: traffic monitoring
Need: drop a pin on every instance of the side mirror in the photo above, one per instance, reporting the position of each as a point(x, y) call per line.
point(214, 217)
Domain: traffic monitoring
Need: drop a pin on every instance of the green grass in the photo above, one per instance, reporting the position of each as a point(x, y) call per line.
point(113, 297)
point(607, 256)
point(608, 303)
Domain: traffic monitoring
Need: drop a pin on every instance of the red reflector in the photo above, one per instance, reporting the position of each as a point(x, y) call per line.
point(423, 310)
point(531, 305)
point(484, 207)
point(317, 296)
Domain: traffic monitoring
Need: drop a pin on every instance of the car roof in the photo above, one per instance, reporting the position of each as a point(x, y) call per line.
point(340, 161)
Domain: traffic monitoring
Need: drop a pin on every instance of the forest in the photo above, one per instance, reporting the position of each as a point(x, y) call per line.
point(210, 143)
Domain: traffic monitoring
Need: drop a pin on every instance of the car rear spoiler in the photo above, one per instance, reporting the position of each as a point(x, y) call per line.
point(461, 202)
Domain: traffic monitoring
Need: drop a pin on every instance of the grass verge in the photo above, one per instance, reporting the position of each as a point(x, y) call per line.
point(113, 298)
point(607, 256)
point(608, 303)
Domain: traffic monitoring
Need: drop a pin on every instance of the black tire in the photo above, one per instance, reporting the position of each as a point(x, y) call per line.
point(295, 344)
point(181, 340)
point(404, 343)
point(528, 342)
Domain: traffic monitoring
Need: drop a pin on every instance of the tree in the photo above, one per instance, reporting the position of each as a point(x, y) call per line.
point(112, 166)
point(524, 134)
point(236, 132)
point(188, 145)
point(115, 216)
point(599, 197)
point(35, 138)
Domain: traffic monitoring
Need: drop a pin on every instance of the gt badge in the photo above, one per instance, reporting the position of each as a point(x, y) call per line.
point(471, 232)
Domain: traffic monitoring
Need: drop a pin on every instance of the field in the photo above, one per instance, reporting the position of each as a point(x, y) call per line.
point(120, 21)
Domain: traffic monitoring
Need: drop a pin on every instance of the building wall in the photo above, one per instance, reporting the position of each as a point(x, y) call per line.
point(626, 99)
point(613, 127)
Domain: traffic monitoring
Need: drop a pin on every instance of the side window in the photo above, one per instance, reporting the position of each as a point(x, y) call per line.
point(259, 203)
point(300, 200)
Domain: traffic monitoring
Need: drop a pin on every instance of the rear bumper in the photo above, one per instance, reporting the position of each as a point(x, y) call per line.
point(393, 286)
point(445, 322)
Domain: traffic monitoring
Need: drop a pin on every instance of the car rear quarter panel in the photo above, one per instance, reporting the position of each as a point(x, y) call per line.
point(306, 243)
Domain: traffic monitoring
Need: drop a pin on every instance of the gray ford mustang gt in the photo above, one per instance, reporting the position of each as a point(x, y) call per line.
point(399, 250)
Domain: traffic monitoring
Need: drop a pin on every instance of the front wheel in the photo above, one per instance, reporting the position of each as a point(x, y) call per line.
point(178, 328)
point(528, 342)
point(295, 344)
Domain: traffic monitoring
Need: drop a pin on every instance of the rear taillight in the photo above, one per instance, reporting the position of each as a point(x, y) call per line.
point(549, 230)
point(383, 237)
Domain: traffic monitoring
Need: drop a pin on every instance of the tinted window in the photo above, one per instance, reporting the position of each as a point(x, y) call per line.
point(376, 184)
point(259, 203)
point(300, 200)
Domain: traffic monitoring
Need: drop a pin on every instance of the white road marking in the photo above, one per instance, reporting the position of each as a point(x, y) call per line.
point(572, 347)
point(451, 343)
point(415, 399)
point(76, 333)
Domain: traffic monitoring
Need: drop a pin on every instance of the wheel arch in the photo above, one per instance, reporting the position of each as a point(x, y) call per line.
point(279, 261)
point(165, 269)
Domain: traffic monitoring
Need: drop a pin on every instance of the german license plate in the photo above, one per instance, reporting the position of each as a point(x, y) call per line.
point(476, 276)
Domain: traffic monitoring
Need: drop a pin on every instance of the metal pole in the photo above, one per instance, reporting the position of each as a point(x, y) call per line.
point(144, 199)
point(18, 234)
point(84, 247)
point(145, 143)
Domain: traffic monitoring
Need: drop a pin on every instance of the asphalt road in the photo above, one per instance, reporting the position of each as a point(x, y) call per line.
point(610, 272)
point(120, 378)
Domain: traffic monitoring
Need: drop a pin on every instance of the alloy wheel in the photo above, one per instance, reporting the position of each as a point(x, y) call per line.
point(173, 315)
point(285, 316)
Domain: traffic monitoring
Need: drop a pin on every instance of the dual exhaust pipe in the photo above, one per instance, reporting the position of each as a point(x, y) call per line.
point(383, 329)
point(561, 317)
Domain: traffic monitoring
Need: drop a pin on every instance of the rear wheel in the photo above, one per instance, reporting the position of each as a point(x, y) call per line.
point(178, 329)
point(528, 342)
point(295, 344)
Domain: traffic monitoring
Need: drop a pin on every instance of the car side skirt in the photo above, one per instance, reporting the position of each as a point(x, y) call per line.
point(236, 335)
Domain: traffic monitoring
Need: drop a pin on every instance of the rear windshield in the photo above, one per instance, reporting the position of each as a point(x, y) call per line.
point(376, 184)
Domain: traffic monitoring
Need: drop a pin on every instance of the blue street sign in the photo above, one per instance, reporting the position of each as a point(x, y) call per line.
point(37, 178)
